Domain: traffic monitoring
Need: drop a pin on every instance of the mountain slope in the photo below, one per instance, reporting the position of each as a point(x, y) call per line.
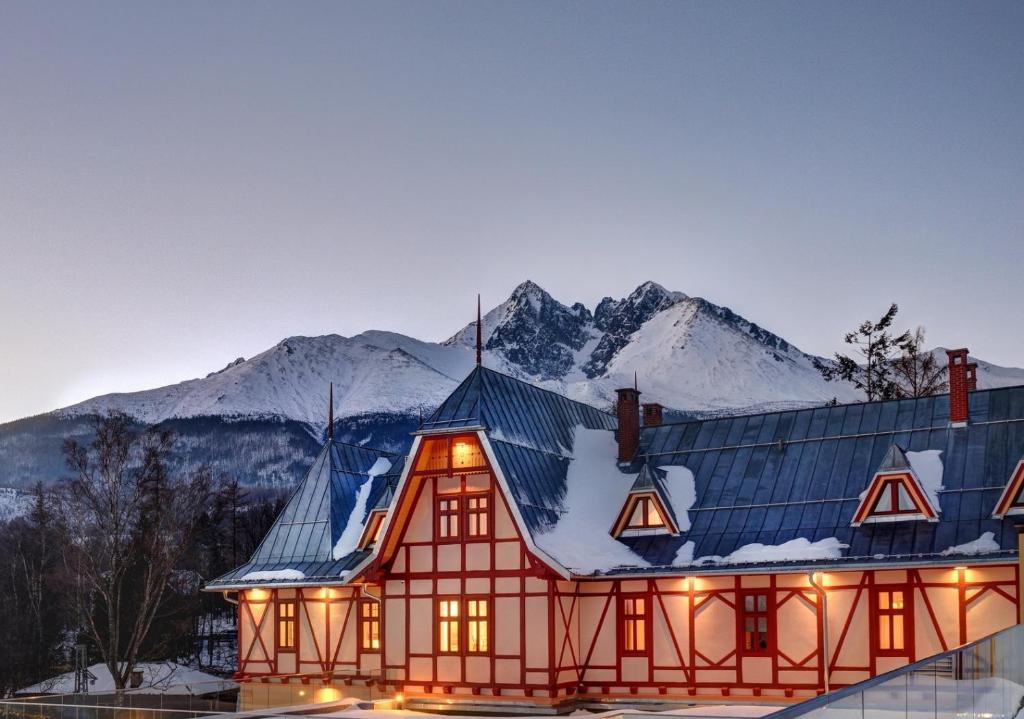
point(262, 419)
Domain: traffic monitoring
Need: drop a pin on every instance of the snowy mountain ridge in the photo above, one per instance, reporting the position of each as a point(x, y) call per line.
point(688, 353)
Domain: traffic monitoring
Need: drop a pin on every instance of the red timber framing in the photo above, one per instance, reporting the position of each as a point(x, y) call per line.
point(894, 496)
point(1012, 499)
point(549, 639)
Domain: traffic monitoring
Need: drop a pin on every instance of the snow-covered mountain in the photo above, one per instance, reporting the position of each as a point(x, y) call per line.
point(259, 418)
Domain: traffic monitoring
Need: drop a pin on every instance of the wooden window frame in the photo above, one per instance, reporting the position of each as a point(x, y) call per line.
point(892, 486)
point(440, 621)
point(646, 503)
point(487, 619)
point(368, 620)
point(905, 612)
point(768, 614)
point(443, 514)
point(487, 512)
point(283, 619)
point(449, 469)
point(627, 624)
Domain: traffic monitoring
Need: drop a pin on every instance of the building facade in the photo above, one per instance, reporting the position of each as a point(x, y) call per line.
point(533, 549)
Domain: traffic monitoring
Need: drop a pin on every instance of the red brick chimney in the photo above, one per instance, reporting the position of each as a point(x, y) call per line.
point(629, 422)
point(652, 414)
point(963, 379)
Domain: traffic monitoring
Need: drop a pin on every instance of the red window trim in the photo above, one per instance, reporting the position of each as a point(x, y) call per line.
point(462, 516)
point(907, 612)
point(648, 635)
point(768, 614)
point(462, 624)
point(364, 620)
point(458, 624)
point(293, 620)
point(645, 501)
point(440, 514)
point(892, 486)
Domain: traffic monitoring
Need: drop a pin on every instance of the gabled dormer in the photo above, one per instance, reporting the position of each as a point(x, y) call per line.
point(1012, 499)
point(895, 494)
point(375, 518)
point(647, 509)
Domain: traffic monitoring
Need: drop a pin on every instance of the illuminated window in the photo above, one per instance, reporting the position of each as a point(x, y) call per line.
point(634, 624)
point(893, 498)
point(448, 518)
point(286, 624)
point(445, 454)
point(369, 625)
point(477, 513)
point(645, 515)
point(755, 623)
point(476, 626)
point(448, 626)
point(891, 610)
point(466, 453)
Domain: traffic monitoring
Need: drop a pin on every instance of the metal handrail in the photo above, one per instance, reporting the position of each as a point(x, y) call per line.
point(823, 700)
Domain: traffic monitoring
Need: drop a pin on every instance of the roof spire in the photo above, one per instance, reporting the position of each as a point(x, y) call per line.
point(330, 413)
point(636, 383)
point(479, 335)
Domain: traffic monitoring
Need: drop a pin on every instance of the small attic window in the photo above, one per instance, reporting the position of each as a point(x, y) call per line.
point(371, 532)
point(642, 513)
point(894, 498)
point(1012, 500)
point(443, 455)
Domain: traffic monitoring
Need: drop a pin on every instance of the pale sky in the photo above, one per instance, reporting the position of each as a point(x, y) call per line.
point(183, 183)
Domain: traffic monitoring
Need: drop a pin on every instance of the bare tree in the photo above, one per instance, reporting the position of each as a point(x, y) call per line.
point(128, 522)
point(917, 372)
point(875, 349)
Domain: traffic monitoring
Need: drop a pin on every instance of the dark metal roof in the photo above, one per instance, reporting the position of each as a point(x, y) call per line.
point(531, 431)
point(652, 479)
point(303, 536)
point(771, 478)
point(895, 460)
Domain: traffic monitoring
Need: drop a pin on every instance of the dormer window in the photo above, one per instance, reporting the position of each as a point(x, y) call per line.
point(1012, 500)
point(647, 509)
point(372, 528)
point(895, 494)
point(645, 515)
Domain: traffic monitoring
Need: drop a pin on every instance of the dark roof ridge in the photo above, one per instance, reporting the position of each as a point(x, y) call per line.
point(826, 406)
point(545, 389)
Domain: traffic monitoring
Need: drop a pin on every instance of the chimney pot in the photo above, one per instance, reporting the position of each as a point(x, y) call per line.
point(628, 411)
point(962, 380)
point(652, 414)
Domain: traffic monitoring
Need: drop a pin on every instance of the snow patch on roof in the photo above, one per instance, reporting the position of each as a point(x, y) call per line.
point(269, 575)
point(984, 544)
point(684, 555)
point(349, 539)
point(927, 465)
point(595, 492)
point(682, 493)
point(795, 550)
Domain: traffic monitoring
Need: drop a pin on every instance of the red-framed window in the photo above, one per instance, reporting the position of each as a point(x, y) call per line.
point(892, 619)
point(450, 454)
point(369, 626)
point(286, 624)
point(478, 515)
point(634, 624)
point(478, 625)
point(448, 626)
point(893, 499)
point(645, 515)
point(448, 516)
point(756, 623)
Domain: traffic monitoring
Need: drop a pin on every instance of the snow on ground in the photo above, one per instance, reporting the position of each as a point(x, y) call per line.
point(13, 504)
point(927, 465)
point(157, 678)
point(349, 538)
point(267, 575)
point(799, 549)
point(596, 490)
point(982, 545)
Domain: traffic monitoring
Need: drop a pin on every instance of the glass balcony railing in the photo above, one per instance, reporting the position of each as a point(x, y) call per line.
point(982, 680)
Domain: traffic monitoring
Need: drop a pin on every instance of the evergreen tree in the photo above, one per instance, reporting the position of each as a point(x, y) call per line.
point(871, 367)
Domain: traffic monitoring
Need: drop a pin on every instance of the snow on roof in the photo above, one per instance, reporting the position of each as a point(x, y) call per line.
point(927, 466)
point(157, 678)
point(984, 544)
point(349, 539)
point(795, 550)
point(595, 492)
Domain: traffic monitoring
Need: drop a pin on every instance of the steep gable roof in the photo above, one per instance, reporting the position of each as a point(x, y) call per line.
point(912, 500)
point(302, 539)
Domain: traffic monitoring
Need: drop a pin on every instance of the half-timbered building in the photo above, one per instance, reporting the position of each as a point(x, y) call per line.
point(533, 549)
